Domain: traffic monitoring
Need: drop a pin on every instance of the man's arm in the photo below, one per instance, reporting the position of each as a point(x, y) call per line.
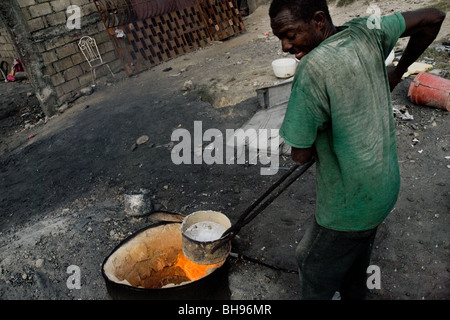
point(302, 156)
point(422, 26)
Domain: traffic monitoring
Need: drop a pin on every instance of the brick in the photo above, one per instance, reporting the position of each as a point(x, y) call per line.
point(8, 47)
point(49, 57)
point(72, 73)
point(55, 19)
point(60, 5)
point(110, 56)
point(67, 50)
point(48, 70)
point(116, 65)
point(92, 30)
point(57, 42)
point(102, 37)
point(88, 9)
point(36, 24)
point(80, 2)
point(100, 26)
point(77, 58)
point(26, 13)
point(105, 47)
point(26, 3)
point(59, 92)
point(63, 64)
point(85, 66)
point(40, 10)
point(7, 56)
point(40, 47)
point(85, 79)
point(57, 79)
point(70, 86)
point(101, 71)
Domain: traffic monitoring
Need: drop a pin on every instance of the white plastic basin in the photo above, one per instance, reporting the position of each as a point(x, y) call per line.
point(284, 67)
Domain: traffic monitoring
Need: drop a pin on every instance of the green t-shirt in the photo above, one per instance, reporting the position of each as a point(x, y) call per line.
point(341, 103)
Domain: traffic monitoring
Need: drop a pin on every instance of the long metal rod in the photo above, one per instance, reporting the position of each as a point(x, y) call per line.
point(250, 213)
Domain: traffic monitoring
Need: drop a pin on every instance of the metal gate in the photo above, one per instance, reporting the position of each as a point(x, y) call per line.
point(148, 32)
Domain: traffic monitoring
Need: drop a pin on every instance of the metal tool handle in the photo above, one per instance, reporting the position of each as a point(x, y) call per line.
point(250, 213)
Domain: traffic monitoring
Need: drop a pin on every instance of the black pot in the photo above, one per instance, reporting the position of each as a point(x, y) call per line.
point(210, 287)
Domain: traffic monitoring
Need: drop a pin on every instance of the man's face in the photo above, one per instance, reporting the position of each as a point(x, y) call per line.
point(297, 36)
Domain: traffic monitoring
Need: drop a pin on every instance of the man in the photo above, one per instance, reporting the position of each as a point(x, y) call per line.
point(340, 112)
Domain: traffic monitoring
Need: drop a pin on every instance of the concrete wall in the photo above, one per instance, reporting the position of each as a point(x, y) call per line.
point(48, 48)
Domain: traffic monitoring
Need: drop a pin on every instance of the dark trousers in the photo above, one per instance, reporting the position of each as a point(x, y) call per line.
point(331, 261)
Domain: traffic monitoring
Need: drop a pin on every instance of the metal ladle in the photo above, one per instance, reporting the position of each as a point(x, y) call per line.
point(209, 253)
point(293, 174)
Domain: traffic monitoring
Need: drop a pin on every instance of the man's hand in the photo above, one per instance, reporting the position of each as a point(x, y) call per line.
point(394, 77)
point(422, 26)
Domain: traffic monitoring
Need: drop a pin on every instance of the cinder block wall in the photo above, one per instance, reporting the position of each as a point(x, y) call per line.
point(61, 62)
point(7, 50)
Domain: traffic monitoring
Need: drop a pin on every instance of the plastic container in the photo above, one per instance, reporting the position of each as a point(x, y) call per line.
point(430, 90)
point(284, 67)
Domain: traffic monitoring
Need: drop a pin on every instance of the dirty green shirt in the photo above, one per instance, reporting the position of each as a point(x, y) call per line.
point(341, 103)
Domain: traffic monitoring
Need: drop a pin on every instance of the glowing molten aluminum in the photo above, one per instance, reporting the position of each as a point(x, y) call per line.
point(153, 259)
point(192, 270)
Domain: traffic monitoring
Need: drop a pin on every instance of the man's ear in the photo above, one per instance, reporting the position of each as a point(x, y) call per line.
point(319, 19)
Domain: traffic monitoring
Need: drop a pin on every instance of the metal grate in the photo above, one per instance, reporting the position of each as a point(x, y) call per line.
point(148, 32)
point(223, 18)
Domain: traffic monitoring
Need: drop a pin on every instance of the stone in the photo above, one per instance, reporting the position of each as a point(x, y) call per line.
point(39, 262)
point(138, 203)
point(188, 85)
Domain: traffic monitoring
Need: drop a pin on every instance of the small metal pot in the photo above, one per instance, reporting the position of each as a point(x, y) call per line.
point(205, 252)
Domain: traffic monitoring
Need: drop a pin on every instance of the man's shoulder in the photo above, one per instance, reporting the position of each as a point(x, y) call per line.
point(356, 21)
point(375, 22)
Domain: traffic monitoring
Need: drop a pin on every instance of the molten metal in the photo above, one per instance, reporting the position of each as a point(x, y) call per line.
point(193, 270)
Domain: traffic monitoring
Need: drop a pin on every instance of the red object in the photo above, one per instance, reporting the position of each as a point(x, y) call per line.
point(17, 67)
point(31, 136)
point(430, 90)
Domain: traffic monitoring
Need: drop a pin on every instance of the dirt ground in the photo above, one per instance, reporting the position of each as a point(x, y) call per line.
point(63, 180)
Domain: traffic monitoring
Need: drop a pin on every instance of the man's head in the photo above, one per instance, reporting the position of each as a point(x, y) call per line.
point(301, 25)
